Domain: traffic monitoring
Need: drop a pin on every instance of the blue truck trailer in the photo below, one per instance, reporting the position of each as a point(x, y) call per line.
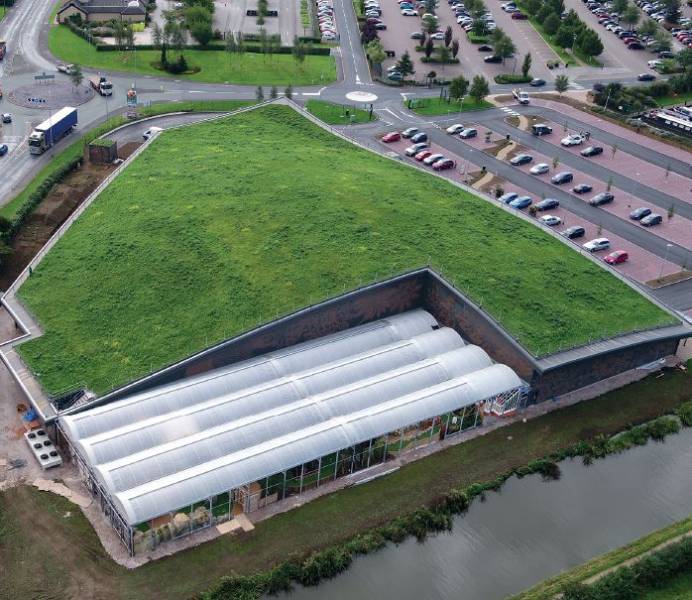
point(53, 129)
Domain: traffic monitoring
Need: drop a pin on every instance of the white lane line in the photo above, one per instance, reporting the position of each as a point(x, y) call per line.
point(310, 93)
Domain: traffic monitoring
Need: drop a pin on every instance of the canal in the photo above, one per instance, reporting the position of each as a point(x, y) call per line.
point(530, 530)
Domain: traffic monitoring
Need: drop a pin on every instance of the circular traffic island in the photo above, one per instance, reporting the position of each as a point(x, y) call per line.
point(50, 96)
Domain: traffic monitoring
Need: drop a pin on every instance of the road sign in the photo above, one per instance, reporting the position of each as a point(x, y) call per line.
point(43, 76)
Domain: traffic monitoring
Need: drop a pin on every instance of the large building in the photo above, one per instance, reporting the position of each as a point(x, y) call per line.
point(98, 11)
point(191, 454)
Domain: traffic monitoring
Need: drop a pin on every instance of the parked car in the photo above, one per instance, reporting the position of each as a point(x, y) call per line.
point(519, 16)
point(467, 133)
point(3, 149)
point(409, 12)
point(521, 159)
point(423, 154)
point(421, 136)
point(539, 169)
point(651, 220)
point(646, 77)
point(582, 188)
point(573, 139)
point(493, 58)
point(635, 46)
point(537, 82)
point(602, 198)
point(6, 118)
point(438, 35)
point(541, 129)
point(550, 220)
point(456, 128)
point(380, 26)
point(395, 76)
point(415, 149)
point(521, 202)
point(617, 257)
point(417, 35)
point(409, 133)
point(639, 213)
point(563, 177)
point(547, 204)
point(433, 158)
point(485, 48)
point(392, 136)
point(445, 163)
point(576, 231)
point(507, 197)
point(592, 151)
point(597, 245)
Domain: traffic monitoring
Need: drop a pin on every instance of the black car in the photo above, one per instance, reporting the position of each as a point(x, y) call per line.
point(380, 26)
point(560, 178)
point(602, 198)
point(417, 35)
point(537, 82)
point(646, 77)
point(582, 188)
point(3, 149)
point(521, 159)
point(485, 48)
point(652, 219)
point(666, 54)
point(547, 204)
point(541, 129)
point(493, 58)
point(639, 213)
point(576, 231)
point(420, 137)
point(592, 151)
point(635, 46)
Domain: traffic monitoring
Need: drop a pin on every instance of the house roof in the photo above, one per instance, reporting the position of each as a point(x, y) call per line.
point(121, 7)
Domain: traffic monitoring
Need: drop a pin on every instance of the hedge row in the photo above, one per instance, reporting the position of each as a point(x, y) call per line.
point(632, 582)
point(437, 517)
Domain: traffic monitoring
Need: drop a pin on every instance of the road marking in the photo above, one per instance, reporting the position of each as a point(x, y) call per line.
point(310, 93)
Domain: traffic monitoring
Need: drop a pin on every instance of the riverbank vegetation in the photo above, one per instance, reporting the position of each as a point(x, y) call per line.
point(321, 537)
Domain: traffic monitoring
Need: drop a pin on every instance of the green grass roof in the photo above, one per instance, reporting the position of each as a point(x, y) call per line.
point(223, 225)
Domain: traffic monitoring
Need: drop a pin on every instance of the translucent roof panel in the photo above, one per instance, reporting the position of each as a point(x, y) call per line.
point(158, 451)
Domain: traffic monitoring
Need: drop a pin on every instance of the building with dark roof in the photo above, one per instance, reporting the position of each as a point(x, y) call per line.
point(95, 11)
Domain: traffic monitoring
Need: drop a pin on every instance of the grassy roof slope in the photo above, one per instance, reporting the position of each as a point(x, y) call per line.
point(223, 225)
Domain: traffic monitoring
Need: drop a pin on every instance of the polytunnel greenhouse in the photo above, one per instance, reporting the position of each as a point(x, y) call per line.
point(193, 454)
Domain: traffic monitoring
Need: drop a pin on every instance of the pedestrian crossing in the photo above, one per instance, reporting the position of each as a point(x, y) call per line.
point(509, 111)
point(573, 85)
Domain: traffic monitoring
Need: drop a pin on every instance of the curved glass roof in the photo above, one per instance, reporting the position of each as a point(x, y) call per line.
point(170, 447)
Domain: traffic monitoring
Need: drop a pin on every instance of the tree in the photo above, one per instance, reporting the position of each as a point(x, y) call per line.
point(663, 39)
point(239, 42)
point(299, 50)
point(448, 36)
point(375, 52)
point(288, 92)
point(533, 6)
point(197, 14)
point(76, 76)
point(458, 87)
point(119, 33)
point(561, 84)
point(429, 6)
point(589, 42)
point(231, 46)
point(178, 37)
point(630, 16)
point(368, 33)
point(129, 37)
point(619, 6)
point(684, 58)
point(263, 41)
point(273, 93)
point(405, 65)
point(160, 37)
point(544, 13)
point(526, 65)
point(455, 47)
point(202, 32)
point(259, 93)
point(497, 35)
point(479, 88)
point(551, 24)
point(479, 27)
point(565, 36)
point(504, 48)
point(444, 55)
point(672, 10)
point(648, 27)
point(428, 47)
point(429, 25)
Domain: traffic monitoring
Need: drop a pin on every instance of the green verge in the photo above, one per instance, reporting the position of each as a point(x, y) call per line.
point(76, 149)
point(76, 559)
point(677, 99)
point(180, 251)
point(678, 588)
point(335, 114)
point(548, 589)
point(439, 106)
point(215, 66)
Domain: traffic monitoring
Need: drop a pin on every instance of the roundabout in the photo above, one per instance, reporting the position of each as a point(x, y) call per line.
point(50, 96)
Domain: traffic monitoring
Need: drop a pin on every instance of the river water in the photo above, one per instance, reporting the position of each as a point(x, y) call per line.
point(530, 530)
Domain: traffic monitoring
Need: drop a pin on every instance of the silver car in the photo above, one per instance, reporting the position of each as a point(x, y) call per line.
point(539, 169)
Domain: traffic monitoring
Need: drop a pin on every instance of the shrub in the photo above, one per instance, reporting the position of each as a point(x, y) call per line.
point(512, 78)
point(685, 413)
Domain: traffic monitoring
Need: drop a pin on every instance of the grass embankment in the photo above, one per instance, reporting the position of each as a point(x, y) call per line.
point(68, 561)
point(181, 251)
point(248, 68)
point(440, 106)
point(548, 589)
point(678, 588)
point(335, 114)
point(677, 99)
point(76, 149)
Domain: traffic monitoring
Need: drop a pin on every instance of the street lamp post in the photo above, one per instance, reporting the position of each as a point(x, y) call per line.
point(665, 259)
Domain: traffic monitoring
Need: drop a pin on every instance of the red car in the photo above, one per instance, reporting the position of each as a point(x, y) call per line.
point(444, 164)
point(519, 16)
point(617, 257)
point(422, 155)
point(392, 136)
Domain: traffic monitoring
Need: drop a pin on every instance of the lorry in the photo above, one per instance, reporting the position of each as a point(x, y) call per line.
point(52, 130)
point(101, 85)
point(520, 96)
point(3, 49)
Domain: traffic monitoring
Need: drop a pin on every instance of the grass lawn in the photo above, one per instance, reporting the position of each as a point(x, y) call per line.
point(678, 588)
point(216, 67)
point(438, 106)
point(180, 251)
point(335, 114)
point(76, 148)
point(677, 99)
point(68, 561)
point(548, 589)
point(2, 13)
